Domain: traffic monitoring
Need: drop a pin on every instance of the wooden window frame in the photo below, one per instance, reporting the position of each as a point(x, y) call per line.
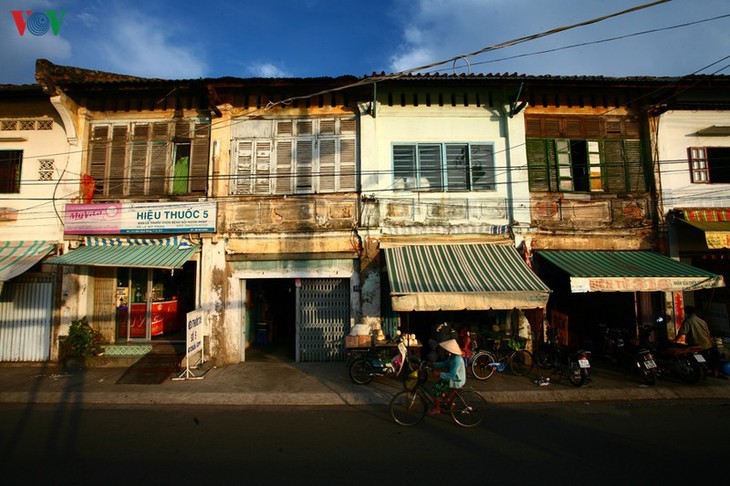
point(307, 156)
point(415, 180)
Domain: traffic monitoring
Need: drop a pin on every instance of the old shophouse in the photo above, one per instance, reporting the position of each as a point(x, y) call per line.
point(284, 266)
point(690, 133)
point(445, 205)
point(38, 175)
point(593, 202)
point(135, 234)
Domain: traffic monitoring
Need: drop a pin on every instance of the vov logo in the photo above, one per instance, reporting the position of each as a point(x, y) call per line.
point(38, 23)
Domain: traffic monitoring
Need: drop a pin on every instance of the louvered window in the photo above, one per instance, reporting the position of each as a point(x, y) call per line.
point(444, 167)
point(576, 165)
point(149, 158)
point(709, 165)
point(303, 157)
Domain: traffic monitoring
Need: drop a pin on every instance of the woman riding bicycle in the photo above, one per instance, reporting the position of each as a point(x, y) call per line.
point(454, 378)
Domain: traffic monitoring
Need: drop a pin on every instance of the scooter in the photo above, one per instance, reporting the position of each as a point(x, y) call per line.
point(630, 353)
point(675, 359)
point(364, 368)
point(554, 356)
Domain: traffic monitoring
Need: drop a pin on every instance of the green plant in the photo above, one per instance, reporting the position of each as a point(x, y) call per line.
point(83, 340)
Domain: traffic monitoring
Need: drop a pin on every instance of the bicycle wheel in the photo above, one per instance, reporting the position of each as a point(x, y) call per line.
point(361, 372)
point(407, 408)
point(483, 365)
point(521, 362)
point(468, 408)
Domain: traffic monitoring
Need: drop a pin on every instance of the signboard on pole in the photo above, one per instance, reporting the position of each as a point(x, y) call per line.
point(193, 343)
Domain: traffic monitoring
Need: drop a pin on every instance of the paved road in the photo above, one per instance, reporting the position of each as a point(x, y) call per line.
point(658, 442)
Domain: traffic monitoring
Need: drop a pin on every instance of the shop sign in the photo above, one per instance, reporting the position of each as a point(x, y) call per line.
point(193, 343)
point(126, 218)
point(637, 284)
point(194, 334)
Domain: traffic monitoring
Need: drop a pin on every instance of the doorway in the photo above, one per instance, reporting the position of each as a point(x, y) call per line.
point(152, 303)
point(271, 318)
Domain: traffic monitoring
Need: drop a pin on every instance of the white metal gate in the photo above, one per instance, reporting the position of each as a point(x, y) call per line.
point(26, 308)
point(323, 319)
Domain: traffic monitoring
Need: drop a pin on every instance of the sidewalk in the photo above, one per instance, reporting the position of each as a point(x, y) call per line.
point(314, 384)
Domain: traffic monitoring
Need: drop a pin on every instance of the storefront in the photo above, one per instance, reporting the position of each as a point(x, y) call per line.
point(701, 237)
point(143, 286)
point(482, 286)
point(26, 301)
point(617, 289)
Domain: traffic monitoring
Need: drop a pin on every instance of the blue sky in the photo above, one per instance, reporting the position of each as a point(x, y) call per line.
point(306, 38)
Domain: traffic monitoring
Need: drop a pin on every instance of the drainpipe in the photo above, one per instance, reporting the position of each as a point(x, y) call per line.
point(510, 197)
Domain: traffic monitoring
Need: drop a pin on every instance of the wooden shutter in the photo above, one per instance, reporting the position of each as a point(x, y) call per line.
point(158, 161)
point(327, 149)
point(636, 173)
point(262, 161)
point(348, 165)
point(303, 167)
point(200, 148)
point(614, 168)
point(138, 159)
point(98, 154)
point(283, 170)
point(537, 165)
point(347, 125)
point(117, 162)
point(244, 167)
point(327, 127)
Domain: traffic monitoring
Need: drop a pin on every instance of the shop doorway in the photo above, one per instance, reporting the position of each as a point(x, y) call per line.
point(271, 319)
point(152, 303)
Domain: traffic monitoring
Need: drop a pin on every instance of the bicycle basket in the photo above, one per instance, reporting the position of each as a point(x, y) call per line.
point(411, 381)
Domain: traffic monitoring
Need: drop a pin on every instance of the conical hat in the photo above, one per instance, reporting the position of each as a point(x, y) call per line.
point(451, 346)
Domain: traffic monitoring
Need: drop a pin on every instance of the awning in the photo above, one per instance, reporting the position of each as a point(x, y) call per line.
point(629, 271)
point(462, 277)
point(17, 257)
point(715, 223)
point(130, 252)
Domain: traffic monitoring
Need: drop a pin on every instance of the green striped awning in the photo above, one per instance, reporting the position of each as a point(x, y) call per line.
point(462, 277)
point(629, 271)
point(129, 252)
point(16, 257)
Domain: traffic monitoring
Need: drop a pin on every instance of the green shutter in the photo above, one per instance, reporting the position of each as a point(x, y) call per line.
point(538, 165)
point(635, 166)
point(614, 166)
point(199, 158)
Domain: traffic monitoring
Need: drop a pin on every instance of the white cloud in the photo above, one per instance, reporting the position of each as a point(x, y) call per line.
point(140, 45)
point(267, 70)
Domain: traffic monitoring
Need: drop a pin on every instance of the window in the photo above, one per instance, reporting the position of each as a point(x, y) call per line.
point(10, 164)
point(301, 156)
point(579, 165)
point(149, 158)
point(444, 167)
point(709, 165)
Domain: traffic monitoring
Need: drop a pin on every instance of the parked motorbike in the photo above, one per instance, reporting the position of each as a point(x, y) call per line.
point(675, 359)
point(364, 368)
point(629, 353)
point(575, 366)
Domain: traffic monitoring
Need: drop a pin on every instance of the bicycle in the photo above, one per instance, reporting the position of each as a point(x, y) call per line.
point(485, 362)
point(466, 406)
